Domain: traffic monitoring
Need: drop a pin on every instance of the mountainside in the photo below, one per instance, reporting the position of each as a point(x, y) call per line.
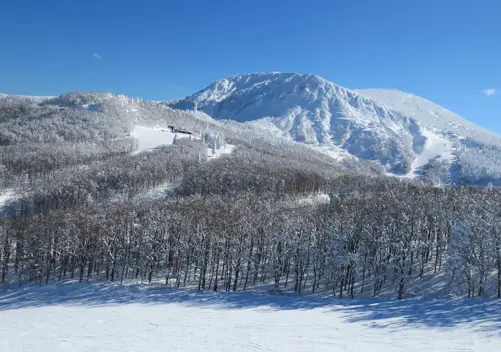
point(99, 186)
point(100, 134)
point(408, 135)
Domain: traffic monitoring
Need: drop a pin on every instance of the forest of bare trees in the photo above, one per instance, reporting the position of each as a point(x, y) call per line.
point(246, 220)
point(235, 228)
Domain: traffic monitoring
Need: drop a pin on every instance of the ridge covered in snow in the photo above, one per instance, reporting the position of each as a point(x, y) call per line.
point(26, 98)
point(408, 135)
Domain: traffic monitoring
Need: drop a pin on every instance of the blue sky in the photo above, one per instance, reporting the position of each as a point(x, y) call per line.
point(448, 51)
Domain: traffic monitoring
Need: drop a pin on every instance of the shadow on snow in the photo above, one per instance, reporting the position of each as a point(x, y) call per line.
point(377, 313)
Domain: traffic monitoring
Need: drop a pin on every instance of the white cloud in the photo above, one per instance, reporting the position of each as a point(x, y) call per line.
point(489, 92)
point(97, 56)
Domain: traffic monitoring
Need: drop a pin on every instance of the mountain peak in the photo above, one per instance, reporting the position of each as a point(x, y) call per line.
point(277, 87)
point(255, 80)
point(403, 132)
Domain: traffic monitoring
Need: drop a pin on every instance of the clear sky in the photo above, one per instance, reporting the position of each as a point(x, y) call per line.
point(448, 51)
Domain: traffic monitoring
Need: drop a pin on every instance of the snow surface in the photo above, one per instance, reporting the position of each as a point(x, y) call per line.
point(153, 137)
point(5, 197)
point(427, 113)
point(158, 192)
point(224, 150)
point(315, 199)
point(150, 138)
point(434, 147)
point(90, 107)
point(333, 151)
point(106, 317)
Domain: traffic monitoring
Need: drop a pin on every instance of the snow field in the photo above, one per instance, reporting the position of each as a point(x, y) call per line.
point(435, 146)
point(149, 138)
point(105, 317)
point(224, 150)
point(5, 197)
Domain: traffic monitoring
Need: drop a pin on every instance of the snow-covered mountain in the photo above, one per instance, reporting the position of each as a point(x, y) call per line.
point(408, 135)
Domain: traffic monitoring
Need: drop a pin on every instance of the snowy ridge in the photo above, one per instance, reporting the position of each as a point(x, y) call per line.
point(401, 131)
point(405, 135)
point(19, 98)
point(428, 113)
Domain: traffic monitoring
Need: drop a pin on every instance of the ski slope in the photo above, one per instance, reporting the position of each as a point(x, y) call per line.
point(105, 317)
point(434, 147)
point(149, 138)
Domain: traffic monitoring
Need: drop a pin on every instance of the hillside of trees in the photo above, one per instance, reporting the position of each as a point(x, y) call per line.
point(76, 210)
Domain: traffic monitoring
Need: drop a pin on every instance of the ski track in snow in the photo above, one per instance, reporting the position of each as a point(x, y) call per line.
point(105, 317)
